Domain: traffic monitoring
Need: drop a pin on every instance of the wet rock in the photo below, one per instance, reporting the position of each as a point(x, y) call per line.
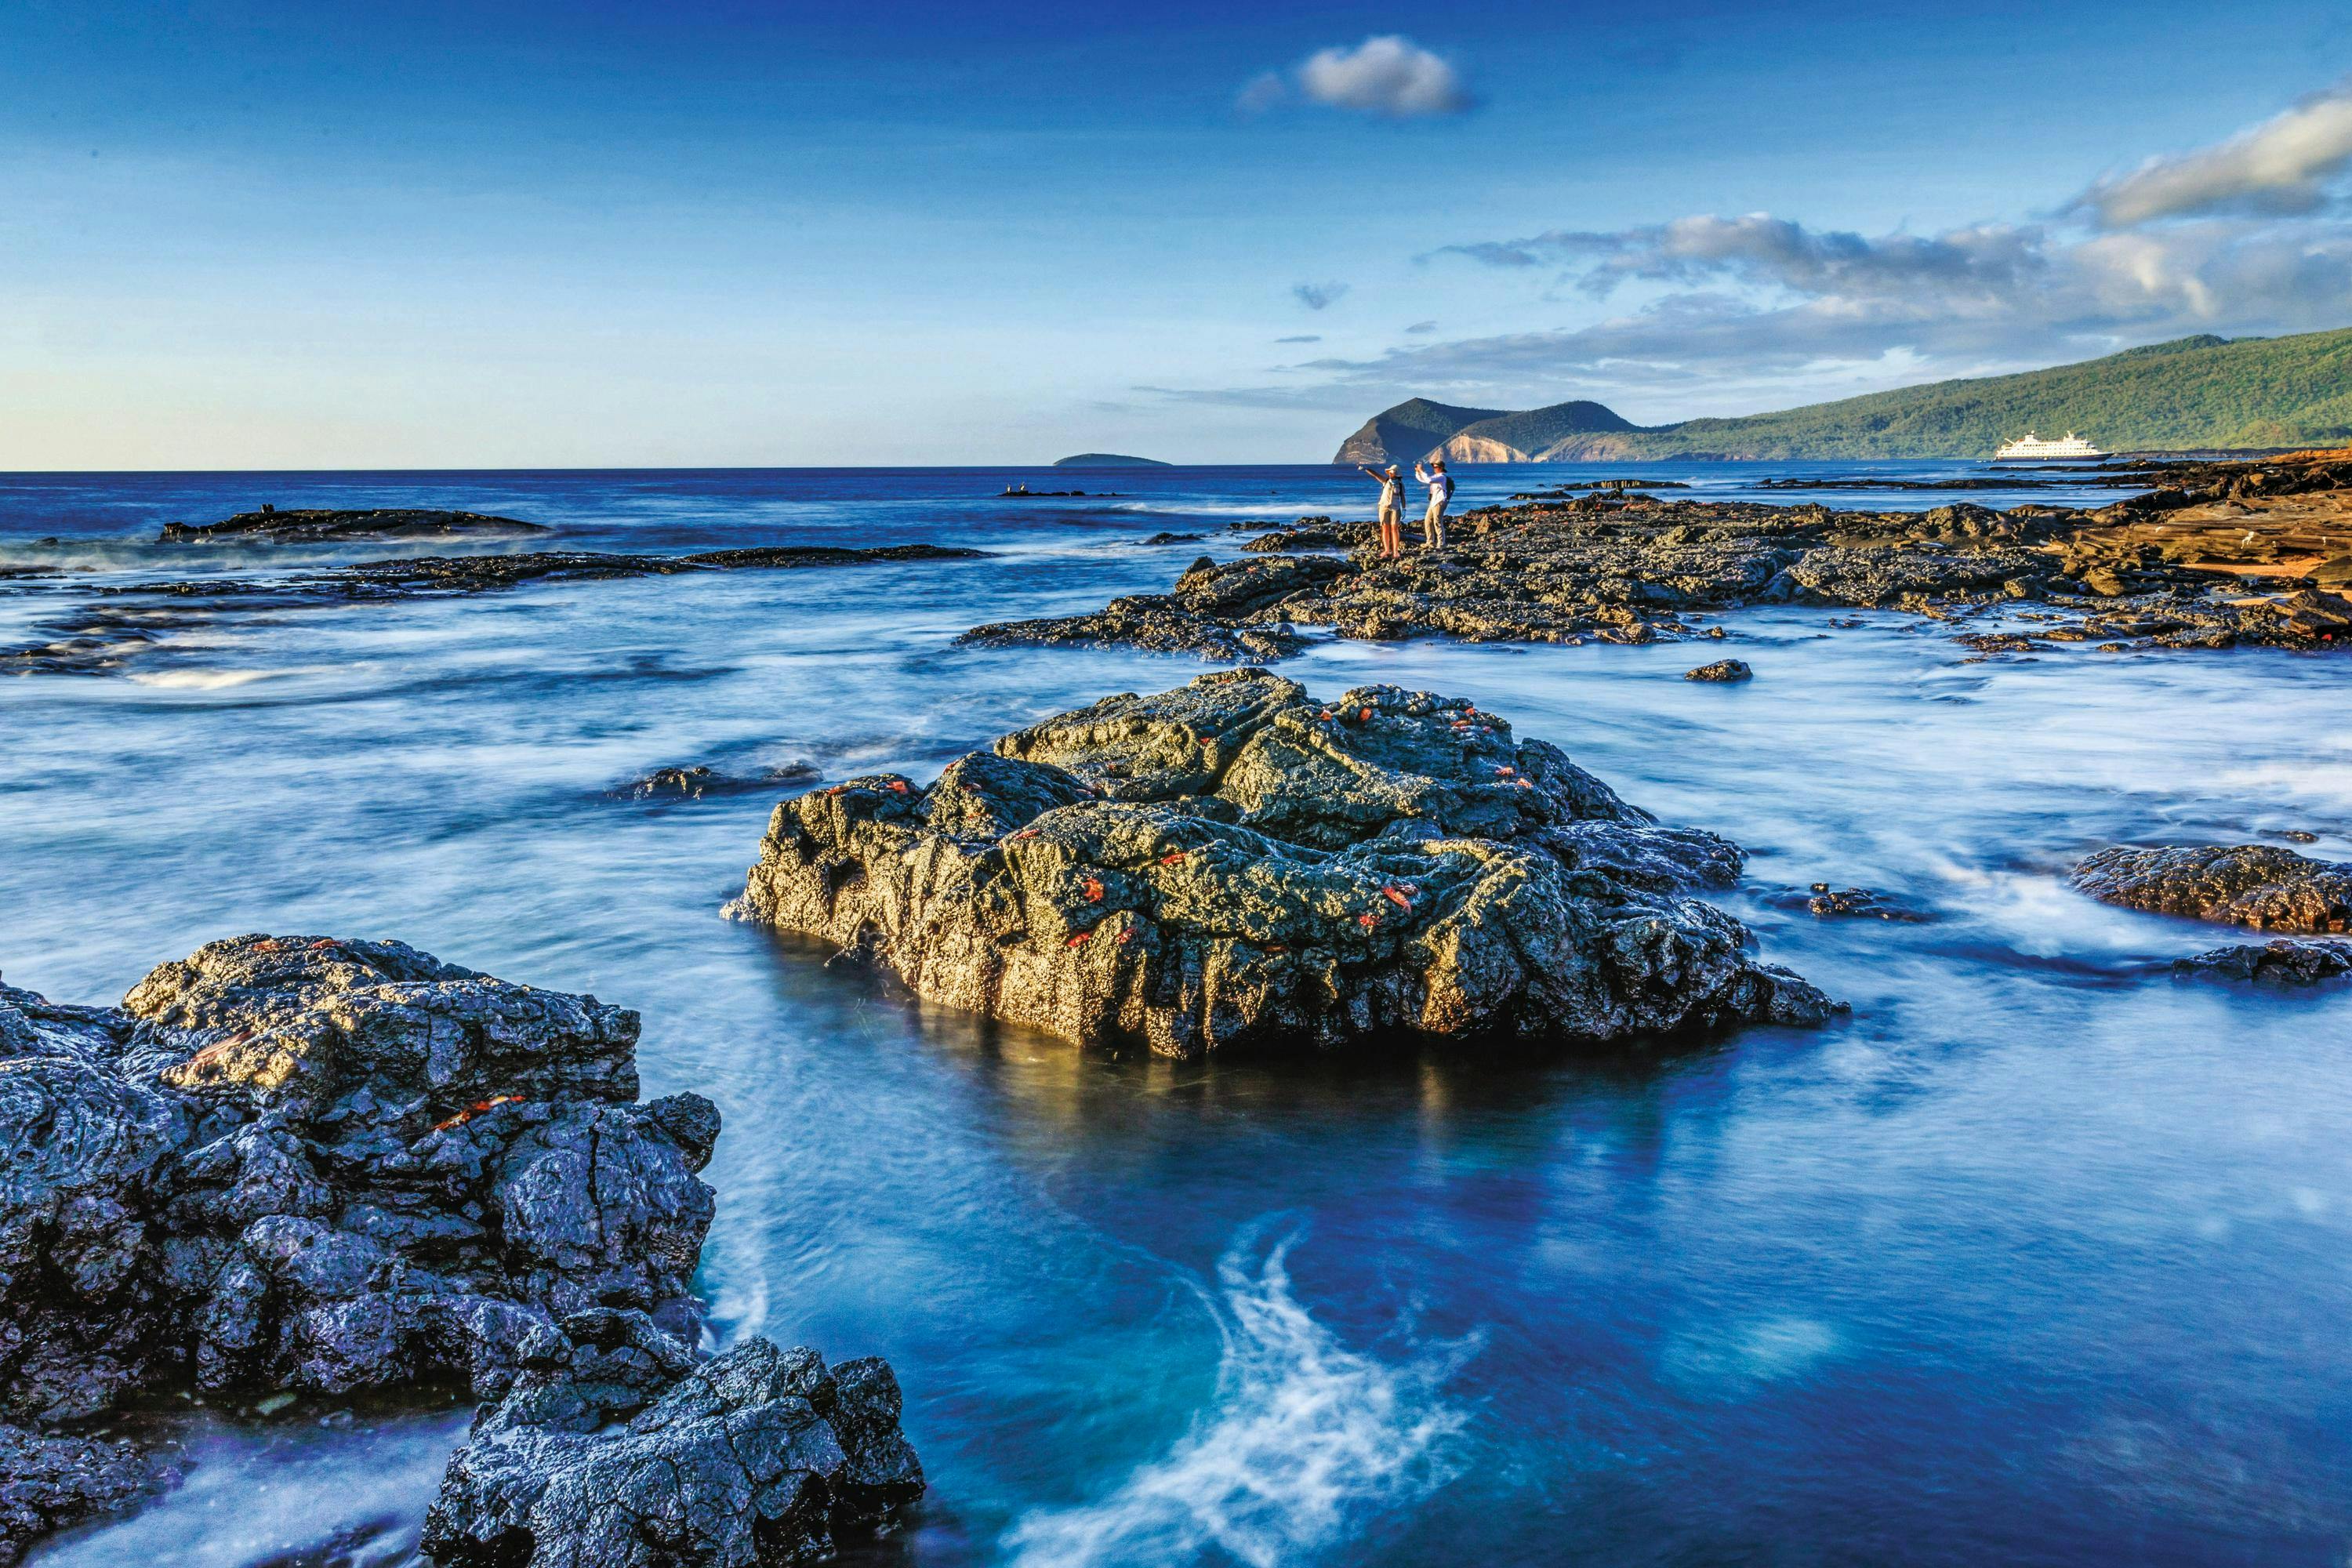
point(615, 1450)
point(320, 525)
point(1156, 623)
point(2279, 962)
point(1234, 865)
point(309, 1164)
point(699, 779)
point(1324, 535)
point(50, 1480)
point(1721, 669)
point(2248, 884)
point(1858, 902)
point(1235, 589)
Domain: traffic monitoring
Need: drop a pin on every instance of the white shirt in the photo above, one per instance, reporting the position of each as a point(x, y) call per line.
point(1441, 485)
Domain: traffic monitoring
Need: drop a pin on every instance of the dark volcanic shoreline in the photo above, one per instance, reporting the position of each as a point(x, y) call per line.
point(320, 525)
point(2223, 554)
point(128, 617)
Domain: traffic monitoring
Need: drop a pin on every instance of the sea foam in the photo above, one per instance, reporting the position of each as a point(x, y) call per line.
point(1305, 1440)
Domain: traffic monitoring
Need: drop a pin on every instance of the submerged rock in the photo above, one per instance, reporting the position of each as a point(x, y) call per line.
point(695, 781)
point(318, 524)
point(1233, 865)
point(319, 1166)
point(615, 1451)
point(1721, 669)
point(1858, 902)
point(2247, 884)
point(129, 618)
point(2283, 963)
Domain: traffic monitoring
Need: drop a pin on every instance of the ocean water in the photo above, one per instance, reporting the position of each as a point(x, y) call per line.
point(2039, 1256)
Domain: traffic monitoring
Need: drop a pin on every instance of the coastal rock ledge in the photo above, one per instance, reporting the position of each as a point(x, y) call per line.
point(306, 1165)
point(1234, 865)
point(2254, 885)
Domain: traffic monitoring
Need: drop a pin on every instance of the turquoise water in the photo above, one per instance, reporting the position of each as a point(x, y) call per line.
point(2041, 1256)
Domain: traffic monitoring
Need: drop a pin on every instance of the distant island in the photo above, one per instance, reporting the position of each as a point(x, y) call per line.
point(1110, 460)
point(2195, 393)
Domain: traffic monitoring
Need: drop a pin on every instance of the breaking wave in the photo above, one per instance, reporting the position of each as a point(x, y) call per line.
point(1305, 1440)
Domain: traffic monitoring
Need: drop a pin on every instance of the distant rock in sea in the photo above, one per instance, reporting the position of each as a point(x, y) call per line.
point(1109, 460)
point(320, 525)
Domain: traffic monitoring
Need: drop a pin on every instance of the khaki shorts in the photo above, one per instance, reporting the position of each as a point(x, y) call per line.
point(1391, 517)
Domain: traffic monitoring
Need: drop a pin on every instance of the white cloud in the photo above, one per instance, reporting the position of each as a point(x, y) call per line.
point(1759, 311)
point(2279, 166)
point(1719, 314)
point(1388, 75)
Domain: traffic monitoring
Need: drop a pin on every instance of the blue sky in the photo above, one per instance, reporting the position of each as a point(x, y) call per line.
point(264, 234)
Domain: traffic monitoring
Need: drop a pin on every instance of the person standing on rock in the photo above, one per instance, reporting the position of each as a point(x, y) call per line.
point(1441, 490)
point(1391, 523)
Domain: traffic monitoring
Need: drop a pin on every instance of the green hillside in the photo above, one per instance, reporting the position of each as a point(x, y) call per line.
point(1541, 428)
point(2195, 393)
point(1407, 433)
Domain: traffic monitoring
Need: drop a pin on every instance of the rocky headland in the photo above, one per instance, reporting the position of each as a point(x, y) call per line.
point(1236, 865)
point(314, 525)
point(2218, 555)
point(324, 1167)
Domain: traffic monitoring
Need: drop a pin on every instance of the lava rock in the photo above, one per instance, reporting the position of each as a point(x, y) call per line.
point(1154, 622)
point(696, 780)
point(1858, 902)
point(614, 1451)
point(2247, 884)
point(2281, 963)
point(50, 1480)
point(1627, 569)
point(1234, 865)
point(1722, 670)
point(313, 1165)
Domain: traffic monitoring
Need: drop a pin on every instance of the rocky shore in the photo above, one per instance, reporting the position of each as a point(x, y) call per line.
point(124, 618)
point(320, 1167)
point(1234, 865)
point(2254, 885)
point(2215, 555)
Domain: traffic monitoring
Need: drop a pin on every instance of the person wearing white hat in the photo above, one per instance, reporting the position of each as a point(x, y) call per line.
point(1391, 523)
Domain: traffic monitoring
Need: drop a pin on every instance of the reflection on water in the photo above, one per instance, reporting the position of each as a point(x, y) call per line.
point(2037, 1258)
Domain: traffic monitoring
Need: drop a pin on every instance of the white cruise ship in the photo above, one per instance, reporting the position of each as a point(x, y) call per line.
point(2033, 449)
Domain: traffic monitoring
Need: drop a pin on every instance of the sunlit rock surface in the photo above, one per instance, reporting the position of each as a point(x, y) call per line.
point(1235, 865)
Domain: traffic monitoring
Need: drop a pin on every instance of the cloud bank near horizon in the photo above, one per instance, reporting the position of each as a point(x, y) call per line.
point(2242, 237)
